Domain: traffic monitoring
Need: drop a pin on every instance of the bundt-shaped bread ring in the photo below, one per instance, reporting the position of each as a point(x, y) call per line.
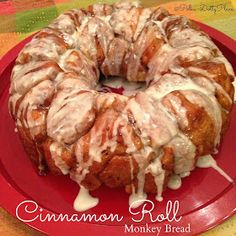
point(137, 141)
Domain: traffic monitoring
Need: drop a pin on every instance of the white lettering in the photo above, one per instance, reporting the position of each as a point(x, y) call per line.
point(147, 210)
point(29, 211)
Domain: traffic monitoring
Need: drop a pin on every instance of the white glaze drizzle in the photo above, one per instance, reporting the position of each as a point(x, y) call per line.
point(26, 77)
point(84, 201)
point(226, 63)
point(96, 146)
point(78, 104)
point(122, 22)
point(115, 55)
point(234, 84)
point(136, 198)
point(171, 82)
point(56, 152)
point(143, 17)
point(35, 97)
point(184, 174)
point(162, 31)
point(210, 79)
point(155, 168)
point(208, 161)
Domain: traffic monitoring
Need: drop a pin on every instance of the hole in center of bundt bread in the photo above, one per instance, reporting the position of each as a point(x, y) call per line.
point(119, 85)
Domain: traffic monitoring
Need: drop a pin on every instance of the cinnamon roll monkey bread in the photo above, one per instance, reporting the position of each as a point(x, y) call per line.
point(139, 140)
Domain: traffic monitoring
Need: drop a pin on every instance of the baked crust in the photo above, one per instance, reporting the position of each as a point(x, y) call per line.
point(105, 138)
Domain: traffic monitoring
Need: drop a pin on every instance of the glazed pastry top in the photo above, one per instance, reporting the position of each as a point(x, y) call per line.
point(184, 108)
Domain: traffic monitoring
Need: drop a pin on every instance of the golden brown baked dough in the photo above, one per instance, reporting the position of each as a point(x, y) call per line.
point(135, 141)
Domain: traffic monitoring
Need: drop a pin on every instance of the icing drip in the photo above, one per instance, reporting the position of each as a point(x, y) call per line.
point(155, 168)
point(174, 182)
point(131, 175)
point(131, 148)
point(84, 201)
point(234, 84)
point(184, 174)
point(208, 161)
point(41, 166)
point(56, 152)
point(137, 197)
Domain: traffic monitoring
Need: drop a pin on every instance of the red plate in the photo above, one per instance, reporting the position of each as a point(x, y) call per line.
point(206, 198)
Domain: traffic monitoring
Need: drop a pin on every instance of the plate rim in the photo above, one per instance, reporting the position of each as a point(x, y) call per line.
point(14, 196)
